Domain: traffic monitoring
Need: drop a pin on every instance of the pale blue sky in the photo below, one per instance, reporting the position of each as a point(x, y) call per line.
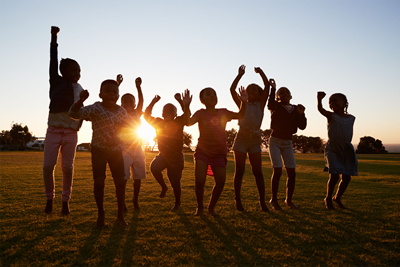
point(350, 47)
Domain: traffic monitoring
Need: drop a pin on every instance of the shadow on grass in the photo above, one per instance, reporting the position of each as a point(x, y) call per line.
point(235, 244)
point(191, 230)
point(48, 230)
point(129, 249)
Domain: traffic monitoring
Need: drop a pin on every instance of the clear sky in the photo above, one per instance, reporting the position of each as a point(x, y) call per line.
point(352, 47)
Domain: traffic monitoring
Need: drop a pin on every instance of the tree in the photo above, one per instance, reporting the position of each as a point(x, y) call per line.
point(187, 140)
point(265, 137)
point(368, 145)
point(230, 138)
point(307, 144)
point(18, 136)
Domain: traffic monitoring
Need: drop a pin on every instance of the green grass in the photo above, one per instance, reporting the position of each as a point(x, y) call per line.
point(366, 234)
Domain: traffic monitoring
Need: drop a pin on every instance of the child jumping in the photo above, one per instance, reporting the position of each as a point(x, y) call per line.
point(248, 138)
point(285, 119)
point(106, 147)
point(169, 130)
point(340, 157)
point(211, 149)
point(134, 157)
point(62, 131)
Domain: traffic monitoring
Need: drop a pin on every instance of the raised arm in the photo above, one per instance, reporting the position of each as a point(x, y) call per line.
point(265, 94)
point(147, 113)
point(53, 52)
point(119, 79)
point(180, 101)
point(242, 108)
point(324, 112)
point(235, 82)
point(139, 107)
point(271, 100)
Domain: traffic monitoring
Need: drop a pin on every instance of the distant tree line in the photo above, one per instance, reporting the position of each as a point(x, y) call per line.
point(16, 138)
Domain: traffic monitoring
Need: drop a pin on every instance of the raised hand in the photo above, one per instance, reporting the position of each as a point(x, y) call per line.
point(243, 94)
point(119, 79)
point(300, 108)
point(258, 70)
point(178, 97)
point(321, 95)
point(138, 81)
point(55, 30)
point(186, 97)
point(242, 69)
point(272, 83)
point(84, 95)
point(155, 99)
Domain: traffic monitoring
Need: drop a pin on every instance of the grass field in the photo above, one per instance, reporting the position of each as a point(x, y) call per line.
point(366, 234)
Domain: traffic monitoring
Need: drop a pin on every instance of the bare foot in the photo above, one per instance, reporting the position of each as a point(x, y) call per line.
point(291, 205)
point(263, 206)
point(275, 205)
point(135, 205)
point(100, 219)
point(339, 203)
point(199, 212)
point(163, 192)
point(212, 212)
point(239, 205)
point(176, 207)
point(329, 204)
point(122, 222)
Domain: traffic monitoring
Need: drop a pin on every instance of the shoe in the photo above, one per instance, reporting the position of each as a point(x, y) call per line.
point(65, 208)
point(49, 206)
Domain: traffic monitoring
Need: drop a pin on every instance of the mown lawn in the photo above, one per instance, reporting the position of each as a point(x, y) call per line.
point(366, 234)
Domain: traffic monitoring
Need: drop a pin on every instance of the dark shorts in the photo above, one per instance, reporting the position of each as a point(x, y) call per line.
point(217, 161)
point(115, 161)
point(173, 163)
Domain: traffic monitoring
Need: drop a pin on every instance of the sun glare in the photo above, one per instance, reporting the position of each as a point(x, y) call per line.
point(147, 133)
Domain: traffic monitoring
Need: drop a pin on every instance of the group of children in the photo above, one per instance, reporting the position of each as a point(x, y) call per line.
point(113, 141)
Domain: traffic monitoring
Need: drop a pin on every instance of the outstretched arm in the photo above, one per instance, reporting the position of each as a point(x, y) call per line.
point(179, 99)
point(324, 112)
point(271, 100)
point(264, 96)
point(147, 113)
point(235, 82)
point(242, 109)
point(139, 108)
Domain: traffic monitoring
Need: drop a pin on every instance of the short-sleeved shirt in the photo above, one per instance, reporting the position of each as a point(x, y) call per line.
point(212, 139)
point(105, 125)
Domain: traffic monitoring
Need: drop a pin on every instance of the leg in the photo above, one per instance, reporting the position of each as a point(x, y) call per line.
point(240, 164)
point(156, 167)
point(290, 183)
point(176, 185)
point(68, 148)
point(51, 149)
point(200, 170)
point(219, 177)
point(99, 197)
point(256, 167)
point(136, 189)
point(341, 189)
point(174, 173)
point(333, 179)
point(276, 176)
point(119, 183)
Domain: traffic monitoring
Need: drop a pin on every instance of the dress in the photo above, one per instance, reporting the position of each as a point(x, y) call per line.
point(340, 157)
